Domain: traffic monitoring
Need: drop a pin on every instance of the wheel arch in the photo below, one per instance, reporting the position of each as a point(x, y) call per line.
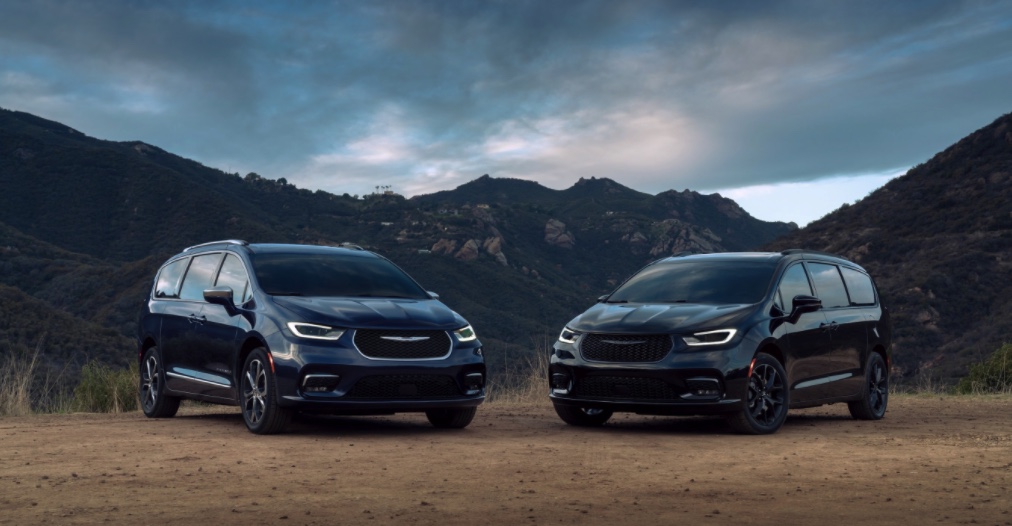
point(253, 341)
point(774, 350)
point(146, 344)
point(881, 351)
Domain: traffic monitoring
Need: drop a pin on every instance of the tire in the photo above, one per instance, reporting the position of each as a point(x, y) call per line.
point(766, 399)
point(875, 398)
point(455, 418)
point(582, 416)
point(259, 396)
point(151, 389)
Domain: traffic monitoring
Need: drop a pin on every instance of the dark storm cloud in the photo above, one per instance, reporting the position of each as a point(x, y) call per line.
point(427, 95)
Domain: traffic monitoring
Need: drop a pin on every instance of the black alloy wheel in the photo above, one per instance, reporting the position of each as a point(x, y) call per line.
point(582, 416)
point(453, 418)
point(154, 402)
point(259, 401)
point(875, 397)
point(766, 399)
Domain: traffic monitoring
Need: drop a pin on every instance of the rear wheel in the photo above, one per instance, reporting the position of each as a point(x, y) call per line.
point(872, 405)
point(154, 402)
point(582, 416)
point(260, 408)
point(454, 418)
point(766, 399)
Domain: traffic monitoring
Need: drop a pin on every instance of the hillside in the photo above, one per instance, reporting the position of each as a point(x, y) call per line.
point(85, 222)
point(938, 240)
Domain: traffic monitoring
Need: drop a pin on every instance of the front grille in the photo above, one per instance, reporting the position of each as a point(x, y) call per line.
point(404, 386)
point(625, 347)
point(402, 345)
point(631, 388)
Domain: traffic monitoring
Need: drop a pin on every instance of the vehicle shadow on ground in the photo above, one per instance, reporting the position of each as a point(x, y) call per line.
point(708, 425)
point(332, 425)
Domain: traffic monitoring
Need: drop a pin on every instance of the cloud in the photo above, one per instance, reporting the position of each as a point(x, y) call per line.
point(426, 95)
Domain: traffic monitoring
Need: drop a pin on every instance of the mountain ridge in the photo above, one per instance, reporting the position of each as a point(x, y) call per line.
point(90, 220)
point(939, 242)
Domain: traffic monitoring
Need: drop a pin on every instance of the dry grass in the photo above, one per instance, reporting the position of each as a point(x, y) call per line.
point(525, 384)
point(24, 391)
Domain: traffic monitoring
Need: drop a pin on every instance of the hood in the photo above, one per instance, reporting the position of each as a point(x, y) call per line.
point(366, 313)
point(658, 318)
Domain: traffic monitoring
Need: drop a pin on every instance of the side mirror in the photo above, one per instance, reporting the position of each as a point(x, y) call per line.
point(221, 296)
point(432, 295)
point(802, 304)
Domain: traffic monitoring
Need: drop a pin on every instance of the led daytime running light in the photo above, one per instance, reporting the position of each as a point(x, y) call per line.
point(695, 341)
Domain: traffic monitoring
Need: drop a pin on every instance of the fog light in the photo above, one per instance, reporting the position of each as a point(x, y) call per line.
point(320, 383)
point(560, 383)
point(473, 382)
point(702, 387)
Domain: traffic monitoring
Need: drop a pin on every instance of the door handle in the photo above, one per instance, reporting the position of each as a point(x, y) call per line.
point(829, 327)
point(198, 319)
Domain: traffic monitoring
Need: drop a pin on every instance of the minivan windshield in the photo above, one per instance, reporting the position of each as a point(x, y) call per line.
point(698, 281)
point(333, 275)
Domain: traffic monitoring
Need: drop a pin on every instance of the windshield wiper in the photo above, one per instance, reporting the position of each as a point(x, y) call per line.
point(617, 301)
point(285, 294)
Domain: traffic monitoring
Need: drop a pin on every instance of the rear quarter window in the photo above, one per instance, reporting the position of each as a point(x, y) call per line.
point(859, 286)
point(167, 282)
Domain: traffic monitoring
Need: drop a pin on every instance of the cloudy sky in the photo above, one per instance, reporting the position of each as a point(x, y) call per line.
point(790, 108)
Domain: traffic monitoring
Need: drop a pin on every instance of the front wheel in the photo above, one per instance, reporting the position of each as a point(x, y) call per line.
point(582, 416)
point(154, 402)
point(765, 401)
point(875, 397)
point(260, 408)
point(453, 418)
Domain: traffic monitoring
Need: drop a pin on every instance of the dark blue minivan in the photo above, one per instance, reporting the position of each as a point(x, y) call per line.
point(278, 329)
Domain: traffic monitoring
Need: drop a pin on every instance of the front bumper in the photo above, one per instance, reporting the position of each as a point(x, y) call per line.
point(684, 382)
point(355, 384)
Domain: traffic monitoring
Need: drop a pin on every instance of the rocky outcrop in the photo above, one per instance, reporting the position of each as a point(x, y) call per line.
point(444, 246)
point(556, 234)
point(675, 237)
point(493, 246)
point(468, 252)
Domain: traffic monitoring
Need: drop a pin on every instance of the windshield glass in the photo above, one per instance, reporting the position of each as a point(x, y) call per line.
point(715, 282)
point(333, 275)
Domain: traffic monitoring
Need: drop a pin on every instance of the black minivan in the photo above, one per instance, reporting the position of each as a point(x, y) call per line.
point(746, 335)
point(277, 329)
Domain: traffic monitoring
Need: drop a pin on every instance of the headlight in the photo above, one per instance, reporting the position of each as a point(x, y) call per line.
point(465, 335)
point(568, 336)
point(315, 332)
point(718, 337)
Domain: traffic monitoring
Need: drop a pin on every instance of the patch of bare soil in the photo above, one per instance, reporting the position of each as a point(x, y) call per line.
point(931, 460)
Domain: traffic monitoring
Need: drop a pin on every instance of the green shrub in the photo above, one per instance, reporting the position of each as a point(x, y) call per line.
point(106, 390)
point(993, 375)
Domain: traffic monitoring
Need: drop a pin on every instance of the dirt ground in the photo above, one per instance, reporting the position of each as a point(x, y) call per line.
point(941, 460)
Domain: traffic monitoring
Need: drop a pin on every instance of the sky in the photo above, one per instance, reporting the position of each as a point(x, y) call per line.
point(791, 108)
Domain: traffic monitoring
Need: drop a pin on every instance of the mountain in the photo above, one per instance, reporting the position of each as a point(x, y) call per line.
point(84, 223)
point(938, 241)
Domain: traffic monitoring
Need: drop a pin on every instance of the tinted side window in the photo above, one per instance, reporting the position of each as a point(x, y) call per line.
point(233, 276)
point(199, 276)
point(859, 285)
point(829, 285)
point(794, 283)
point(167, 284)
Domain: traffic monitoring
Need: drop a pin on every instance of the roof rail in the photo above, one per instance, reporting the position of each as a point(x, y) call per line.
point(222, 242)
point(352, 246)
point(791, 251)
